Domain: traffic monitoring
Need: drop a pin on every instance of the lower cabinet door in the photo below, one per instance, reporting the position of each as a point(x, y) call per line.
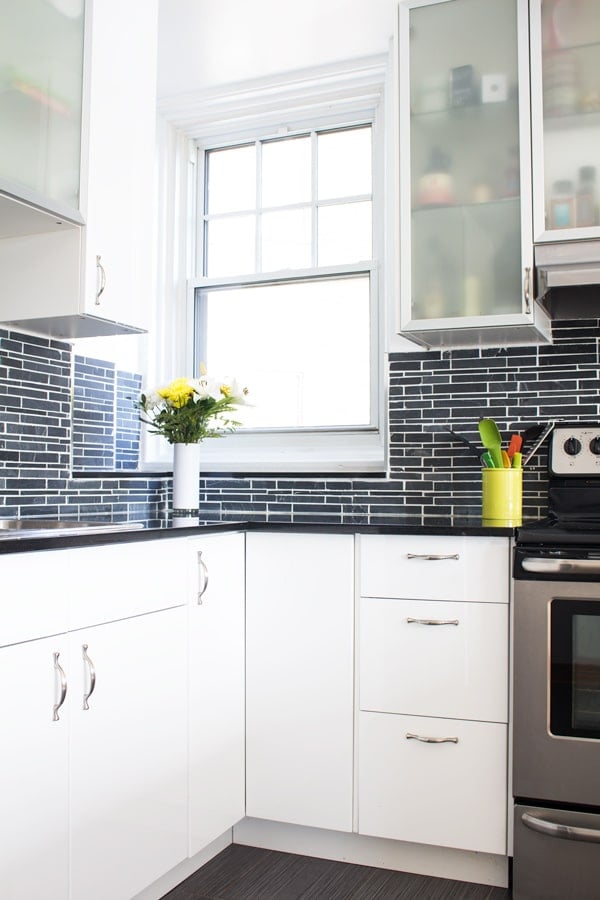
point(128, 754)
point(34, 836)
point(216, 698)
point(433, 781)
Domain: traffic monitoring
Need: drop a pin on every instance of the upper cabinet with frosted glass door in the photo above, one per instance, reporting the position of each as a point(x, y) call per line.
point(465, 185)
point(565, 43)
point(41, 76)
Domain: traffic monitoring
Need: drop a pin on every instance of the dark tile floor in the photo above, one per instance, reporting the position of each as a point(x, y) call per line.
point(248, 873)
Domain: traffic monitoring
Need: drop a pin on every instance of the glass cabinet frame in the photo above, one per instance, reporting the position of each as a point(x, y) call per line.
point(425, 327)
point(540, 166)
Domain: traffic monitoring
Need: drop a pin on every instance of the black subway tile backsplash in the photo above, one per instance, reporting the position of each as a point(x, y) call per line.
point(429, 472)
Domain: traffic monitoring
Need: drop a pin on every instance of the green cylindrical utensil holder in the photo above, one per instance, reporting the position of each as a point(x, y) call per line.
point(502, 497)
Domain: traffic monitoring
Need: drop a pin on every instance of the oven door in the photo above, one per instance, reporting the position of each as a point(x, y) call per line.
point(556, 739)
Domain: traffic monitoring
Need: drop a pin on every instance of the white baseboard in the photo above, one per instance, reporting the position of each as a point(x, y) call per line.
point(175, 876)
point(421, 859)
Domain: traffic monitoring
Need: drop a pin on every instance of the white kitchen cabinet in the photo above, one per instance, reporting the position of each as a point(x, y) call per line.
point(34, 827)
point(433, 690)
point(465, 185)
point(565, 79)
point(77, 282)
point(128, 758)
point(216, 686)
point(447, 789)
point(299, 678)
point(434, 658)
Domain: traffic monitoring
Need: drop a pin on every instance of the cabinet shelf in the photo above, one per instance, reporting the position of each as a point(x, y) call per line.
point(460, 208)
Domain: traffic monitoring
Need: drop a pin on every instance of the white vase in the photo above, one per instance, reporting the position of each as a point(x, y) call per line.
point(186, 471)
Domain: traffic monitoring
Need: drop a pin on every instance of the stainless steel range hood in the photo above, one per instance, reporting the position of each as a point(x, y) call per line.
point(568, 278)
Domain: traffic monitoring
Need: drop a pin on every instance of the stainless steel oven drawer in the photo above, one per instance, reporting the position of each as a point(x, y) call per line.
point(556, 854)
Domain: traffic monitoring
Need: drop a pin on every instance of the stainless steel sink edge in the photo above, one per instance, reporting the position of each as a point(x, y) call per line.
point(25, 528)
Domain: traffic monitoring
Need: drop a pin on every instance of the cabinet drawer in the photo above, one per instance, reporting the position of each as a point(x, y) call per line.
point(451, 794)
point(33, 601)
point(458, 668)
point(435, 567)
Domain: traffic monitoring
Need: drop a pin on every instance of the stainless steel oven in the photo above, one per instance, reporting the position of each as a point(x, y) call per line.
point(556, 709)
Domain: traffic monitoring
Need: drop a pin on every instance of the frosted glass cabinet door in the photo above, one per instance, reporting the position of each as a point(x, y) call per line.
point(463, 148)
point(566, 117)
point(41, 64)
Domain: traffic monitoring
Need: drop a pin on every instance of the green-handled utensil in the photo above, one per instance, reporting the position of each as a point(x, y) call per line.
point(491, 440)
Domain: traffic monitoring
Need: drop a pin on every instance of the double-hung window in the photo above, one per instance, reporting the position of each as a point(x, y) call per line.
point(286, 298)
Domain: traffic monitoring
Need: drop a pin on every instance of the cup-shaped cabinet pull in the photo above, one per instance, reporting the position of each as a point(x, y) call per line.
point(92, 673)
point(432, 556)
point(431, 740)
point(62, 678)
point(202, 577)
point(411, 621)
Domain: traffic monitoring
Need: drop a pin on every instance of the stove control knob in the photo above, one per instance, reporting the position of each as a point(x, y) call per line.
point(595, 446)
point(572, 446)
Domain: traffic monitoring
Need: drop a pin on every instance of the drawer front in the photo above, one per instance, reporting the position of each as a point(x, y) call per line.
point(451, 794)
point(430, 658)
point(33, 600)
point(435, 567)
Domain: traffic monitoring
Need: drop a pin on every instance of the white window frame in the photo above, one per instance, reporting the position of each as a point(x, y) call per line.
point(342, 96)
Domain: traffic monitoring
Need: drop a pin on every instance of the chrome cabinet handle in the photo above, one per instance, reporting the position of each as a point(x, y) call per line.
point(102, 272)
point(410, 621)
point(431, 740)
point(561, 830)
point(63, 687)
point(92, 671)
point(527, 289)
point(202, 578)
point(432, 556)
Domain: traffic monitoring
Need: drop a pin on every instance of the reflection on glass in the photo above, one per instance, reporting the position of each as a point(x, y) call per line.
point(286, 172)
point(344, 233)
point(231, 245)
point(344, 163)
point(231, 179)
point(571, 98)
point(586, 673)
point(286, 239)
point(281, 345)
point(41, 66)
point(464, 150)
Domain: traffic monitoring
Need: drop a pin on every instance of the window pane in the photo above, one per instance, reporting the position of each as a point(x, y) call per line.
point(303, 349)
point(344, 163)
point(286, 172)
point(231, 246)
point(231, 179)
point(286, 240)
point(344, 233)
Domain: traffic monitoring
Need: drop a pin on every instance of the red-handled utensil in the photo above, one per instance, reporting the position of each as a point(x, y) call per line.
point(516, 442)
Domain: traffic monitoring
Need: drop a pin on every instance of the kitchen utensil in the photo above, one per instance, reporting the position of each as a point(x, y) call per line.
point(539, 442)
point(517, 460)
point(491, 440)
point(515, 444)
point(505, 459)
point(473, 447)
point(486, 459)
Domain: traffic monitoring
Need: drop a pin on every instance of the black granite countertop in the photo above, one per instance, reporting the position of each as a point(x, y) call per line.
point(398, 525)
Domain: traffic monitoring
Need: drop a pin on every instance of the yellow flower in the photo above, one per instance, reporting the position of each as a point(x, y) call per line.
point(177, 393)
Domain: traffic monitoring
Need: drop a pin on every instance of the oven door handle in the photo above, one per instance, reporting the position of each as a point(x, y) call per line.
point(561, 830)
point(561, 566)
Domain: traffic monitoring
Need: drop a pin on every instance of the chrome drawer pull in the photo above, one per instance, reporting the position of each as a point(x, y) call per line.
point(92, 670)
point(202, 578)
point(410, 621)
point(431, 740)
point(432, 556)
point(556, 829)
point(63, 687)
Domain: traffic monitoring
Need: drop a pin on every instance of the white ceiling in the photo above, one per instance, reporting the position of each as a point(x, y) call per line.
point(206, 44)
